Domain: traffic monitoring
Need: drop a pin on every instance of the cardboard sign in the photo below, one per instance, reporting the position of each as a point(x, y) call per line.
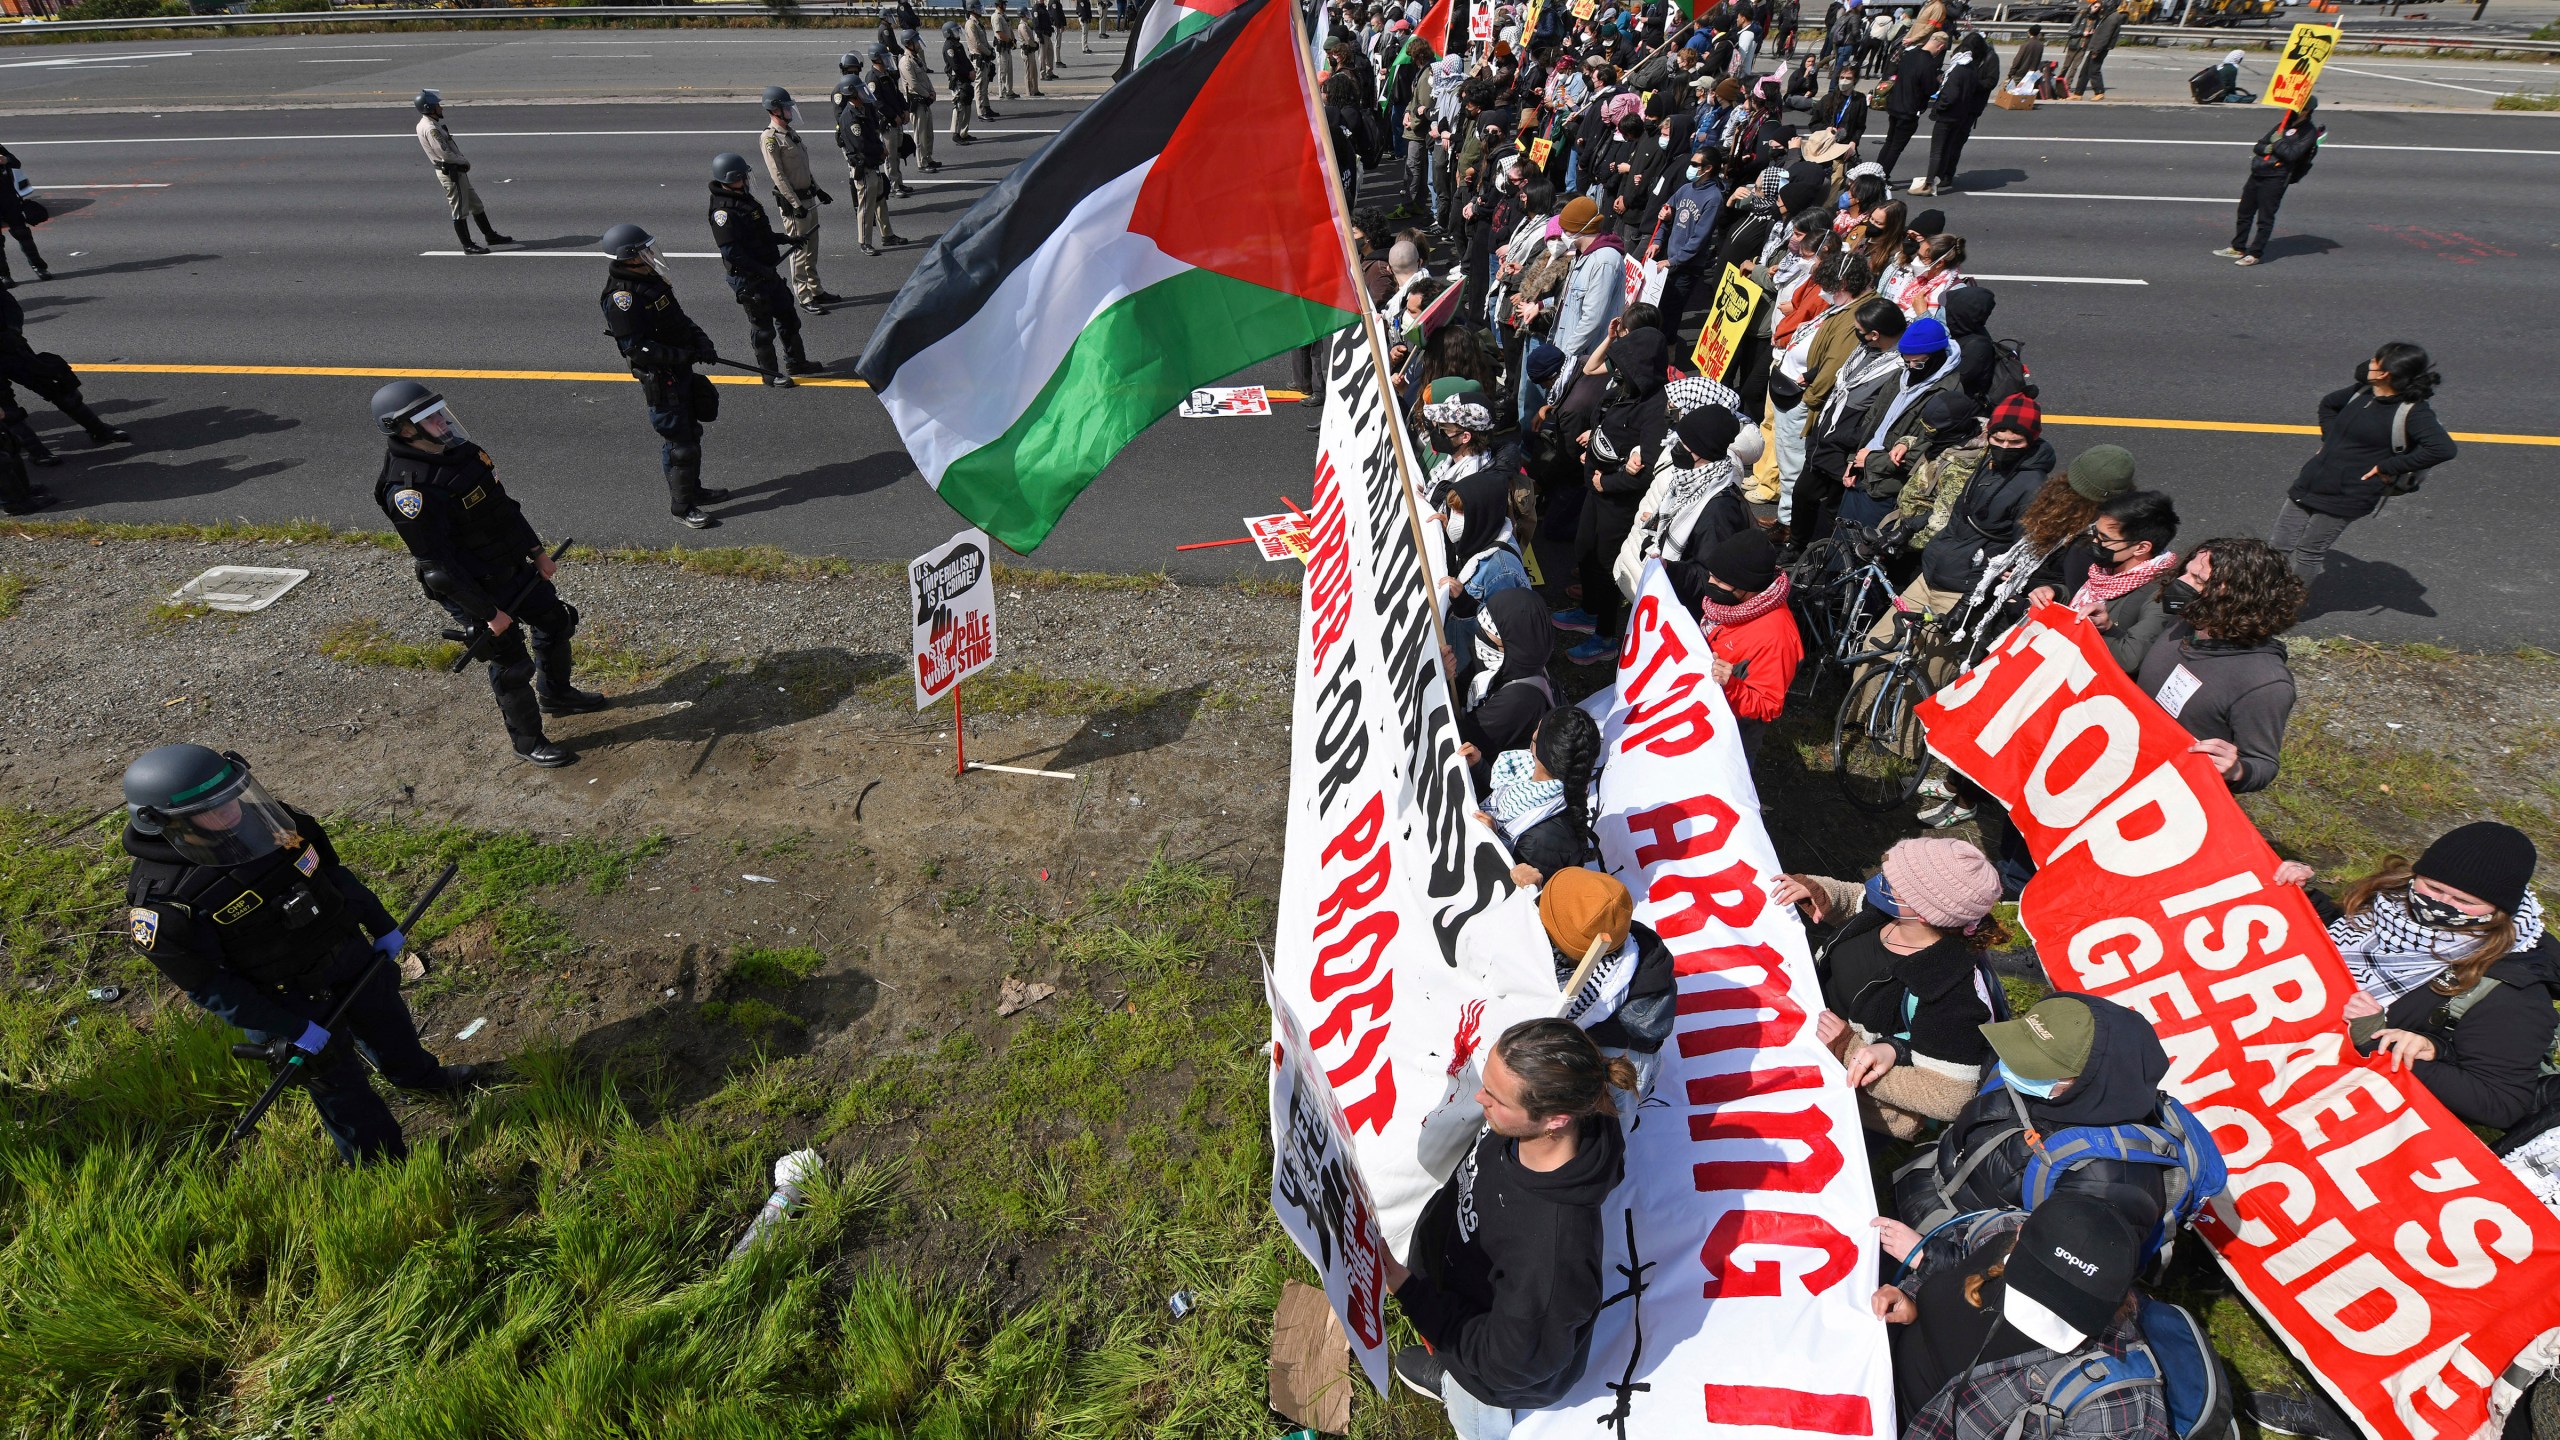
point(1645, 279)
point(1728, 322)
point(2305, 51)
point(1585, 9)
point(1280, 537)
point(2375, 1233)
point(1746, 1213)
point(1539, 150)
point(951, 592)
point(1215, 401)
point(1480, 24)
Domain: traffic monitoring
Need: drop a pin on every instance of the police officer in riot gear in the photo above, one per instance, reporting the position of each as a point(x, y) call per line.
point(663, 345)
point(481, 561)
point(797, 193)
point(889, 102)
point(751, 251)
point(860, 134)
point(48, 375)
point(241, 902)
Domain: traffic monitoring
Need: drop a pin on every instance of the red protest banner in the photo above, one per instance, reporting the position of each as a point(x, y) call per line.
point(2395, 1255)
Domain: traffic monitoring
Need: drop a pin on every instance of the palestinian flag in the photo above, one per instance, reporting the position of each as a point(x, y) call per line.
point(1435, 26)
point(1180, 229)
point(1166, 23)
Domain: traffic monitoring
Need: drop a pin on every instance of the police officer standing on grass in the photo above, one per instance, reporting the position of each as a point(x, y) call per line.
point(241, 902)
point(480, 560)
point(796, 193)
point(859, 133)
point(454, 173)
point(663, 345)
point(751, 251)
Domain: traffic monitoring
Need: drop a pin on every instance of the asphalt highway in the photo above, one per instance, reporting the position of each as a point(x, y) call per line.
point(303, 238)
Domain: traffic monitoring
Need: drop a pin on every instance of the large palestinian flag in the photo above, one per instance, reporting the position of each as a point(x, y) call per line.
point(1177, 231)
point(1166, 23)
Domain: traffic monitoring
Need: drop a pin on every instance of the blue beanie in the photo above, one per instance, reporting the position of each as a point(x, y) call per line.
point(1924, 337)
point(1696, 42)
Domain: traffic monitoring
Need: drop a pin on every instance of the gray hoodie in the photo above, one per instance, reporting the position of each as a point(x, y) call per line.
point(2221, 691)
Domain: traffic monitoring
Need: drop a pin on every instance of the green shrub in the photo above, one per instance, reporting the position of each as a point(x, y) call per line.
point(124, 9)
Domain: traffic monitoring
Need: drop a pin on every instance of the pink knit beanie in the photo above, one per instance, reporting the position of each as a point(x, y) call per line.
point(1948, 883)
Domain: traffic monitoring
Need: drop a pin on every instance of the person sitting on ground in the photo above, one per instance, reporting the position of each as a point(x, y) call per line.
point(1539, 798)
point(1629, 999)
point(1967, 310)
point(2071, 1061)
point(1484, 551)
point(2218, 668)
point(2117, 569)
point(1874, 476)
point(2456, 974)
point(1742, 606)
point(1503, 689)
point(1506, 1273)
point(1998, 1313)
point(1904, 989)
point(1936, 466)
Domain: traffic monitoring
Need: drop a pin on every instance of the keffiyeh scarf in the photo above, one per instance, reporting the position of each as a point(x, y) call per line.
point(1517, 800)
point(2390, 954)
point(2103, 588)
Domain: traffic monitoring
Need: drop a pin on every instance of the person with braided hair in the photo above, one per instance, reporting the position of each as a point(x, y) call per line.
point(1539, 800)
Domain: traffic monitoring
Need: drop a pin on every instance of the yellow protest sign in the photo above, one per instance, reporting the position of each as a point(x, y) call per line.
point(2304, 53)
point(1584, 9)
point(1529, 20)
point(1737, 299)
point(1539, 150)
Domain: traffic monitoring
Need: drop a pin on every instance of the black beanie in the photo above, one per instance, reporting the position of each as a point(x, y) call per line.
point(1708, 431)
point(2484, 858)
point(1748, 561)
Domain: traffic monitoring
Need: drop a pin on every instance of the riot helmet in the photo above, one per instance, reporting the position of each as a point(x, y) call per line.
point(631, 245)
point(778, 99)
point(429, 101)
point(729, 168)
point(408, 402)
point(206, 805)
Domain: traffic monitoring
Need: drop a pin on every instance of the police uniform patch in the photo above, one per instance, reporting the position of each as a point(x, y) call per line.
point(410, 503)
point(143, 925)
point(232, 913)
point(621, 299)
point(719, 217)
point(308, 862)
point(477, 495)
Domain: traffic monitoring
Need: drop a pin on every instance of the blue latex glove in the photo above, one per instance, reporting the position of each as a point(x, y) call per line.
point(312, 1040)
point(391, 944)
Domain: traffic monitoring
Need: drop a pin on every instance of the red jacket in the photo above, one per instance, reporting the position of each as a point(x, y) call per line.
point(1764, 654)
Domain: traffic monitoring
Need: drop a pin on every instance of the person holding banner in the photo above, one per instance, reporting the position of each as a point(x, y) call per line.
point(1621, 446)
point(2455, 970)
point(1905, 989)
point(1539, 800)
point(1504, 683)
point(1757, 646)
point(1506, 1278)
point(2218, 668)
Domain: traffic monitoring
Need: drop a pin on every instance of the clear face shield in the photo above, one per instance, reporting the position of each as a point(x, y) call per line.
point(790, 114)
point(436, 423)
point(241, 824)
point(649, 256)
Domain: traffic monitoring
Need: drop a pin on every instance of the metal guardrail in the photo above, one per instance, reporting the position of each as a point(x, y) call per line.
point(2272, 36)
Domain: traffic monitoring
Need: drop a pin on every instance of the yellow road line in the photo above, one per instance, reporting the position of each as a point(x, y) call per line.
point(366, 372)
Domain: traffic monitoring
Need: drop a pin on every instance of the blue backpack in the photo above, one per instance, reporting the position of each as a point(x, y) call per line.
point(2172, 1354)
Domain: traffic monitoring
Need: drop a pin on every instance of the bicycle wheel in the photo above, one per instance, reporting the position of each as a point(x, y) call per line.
point(1878, 753)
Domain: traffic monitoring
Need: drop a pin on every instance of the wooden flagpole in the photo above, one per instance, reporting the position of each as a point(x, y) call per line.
point(1336, 201)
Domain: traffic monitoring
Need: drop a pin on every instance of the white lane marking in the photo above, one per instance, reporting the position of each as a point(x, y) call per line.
point(412, 137)
point(95, 61)
point(2061, 195)
point(2061, 279)
point(140, 185)
point(571, 254)
point(359, 60)
point(609, 55)
point(2413, 80)
point(2325, 145)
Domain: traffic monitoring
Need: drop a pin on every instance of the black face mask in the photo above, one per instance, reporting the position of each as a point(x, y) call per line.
point(2436, 914)
point(2006, 461)
point(1681, 458)
point(2176, 595)
point(1723, 594)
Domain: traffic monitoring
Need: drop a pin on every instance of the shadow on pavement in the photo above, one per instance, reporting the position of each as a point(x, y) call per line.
point(1980, 180)
point(133, 267)
point(193, 429)
point(150, 481)
point(852, 477)
point(2286, 247)
point(2351, 584)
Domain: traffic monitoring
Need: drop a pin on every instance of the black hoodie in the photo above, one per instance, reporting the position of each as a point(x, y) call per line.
point(1518, 696)
point(1968, 311)
point(1506, 1267)
point(2120, 1085)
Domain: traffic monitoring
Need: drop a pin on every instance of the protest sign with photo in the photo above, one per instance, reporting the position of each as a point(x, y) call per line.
point(1317, 1191)
point(1747, 1208)
point(1212, 402)
point(951, 592)
point(2374, 1232)
point(2298, 69)
point(1279, 537)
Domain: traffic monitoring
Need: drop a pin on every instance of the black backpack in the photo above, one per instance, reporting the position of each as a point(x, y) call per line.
point(2009, 374)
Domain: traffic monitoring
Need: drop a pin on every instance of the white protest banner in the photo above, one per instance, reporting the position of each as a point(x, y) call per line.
point(1317, 1191)
point(2374, 1232)
point(1384, 864)
point(1214, 401)
point(1744, 1219)
point(951, 592)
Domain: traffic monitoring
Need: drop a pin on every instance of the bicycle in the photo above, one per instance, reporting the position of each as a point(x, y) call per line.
point(1878, 751)
point(1840, 591)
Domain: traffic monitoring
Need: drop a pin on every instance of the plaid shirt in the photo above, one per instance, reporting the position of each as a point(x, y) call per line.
point(1982, 1403)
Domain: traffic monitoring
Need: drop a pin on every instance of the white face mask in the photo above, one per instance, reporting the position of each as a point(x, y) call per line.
point(1457, 525)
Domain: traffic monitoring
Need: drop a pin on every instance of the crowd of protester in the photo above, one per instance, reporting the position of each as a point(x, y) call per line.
point(1543, 222)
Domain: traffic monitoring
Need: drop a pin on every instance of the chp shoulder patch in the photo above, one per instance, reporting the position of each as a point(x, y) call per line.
point(410, 503)
point(143, 925)
point(621, 299)
point(719, 217)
